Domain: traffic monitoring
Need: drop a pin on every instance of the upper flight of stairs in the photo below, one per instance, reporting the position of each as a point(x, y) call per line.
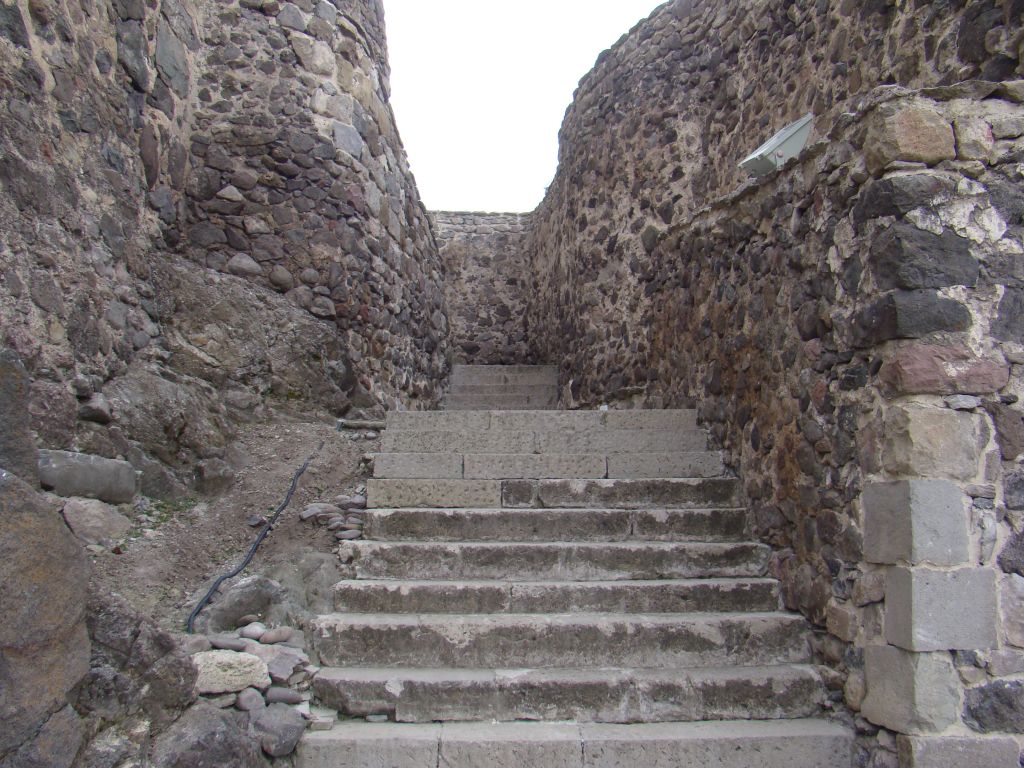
point(506, 387)
point(560, 588)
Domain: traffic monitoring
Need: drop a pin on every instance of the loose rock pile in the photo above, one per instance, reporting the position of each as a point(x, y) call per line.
point(343, 517)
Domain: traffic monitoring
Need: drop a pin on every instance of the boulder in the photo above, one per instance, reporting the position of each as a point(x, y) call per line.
point(94, 521)
point(80, 474)
point(205, 737)
point(44, 646)
point(279, 727)
point(229, 672)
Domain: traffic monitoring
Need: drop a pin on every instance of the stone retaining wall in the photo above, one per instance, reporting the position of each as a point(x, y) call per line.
point(487, 271)
point(847, 325)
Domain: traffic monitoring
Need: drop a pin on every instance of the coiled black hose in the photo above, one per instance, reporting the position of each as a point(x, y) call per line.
point(264, 532)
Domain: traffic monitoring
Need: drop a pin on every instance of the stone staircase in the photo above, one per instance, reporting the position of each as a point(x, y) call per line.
point(560, 588)
point(505, 387)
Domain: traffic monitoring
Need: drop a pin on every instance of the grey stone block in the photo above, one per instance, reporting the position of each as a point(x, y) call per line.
point(949, 751)
point(613, 441)
point(370, 745)
point(418, 465)
point(627, 494)
point(651, 419)
point(932, 610)
point(509, 745)
point(80, 474)
point(459, 441)
point(535, 465)
point(437, 420)
point(546, 421)
point(915, 521)
point(432, 493)
point(683, 464)
point(910, 692)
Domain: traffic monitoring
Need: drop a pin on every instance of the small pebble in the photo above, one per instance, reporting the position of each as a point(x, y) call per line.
point(249, 618)
point(376, 718)
point(336, 523)
point(354, 519)
point(963, 402)
point(348, 535)
point(225, 643)
point(321, 723)
point(276, 635)
point(250, 699)
point(278, 695)
point(371, 435)
point(357, 501)
point(196, 644)
point(255, 521)
point(303, 709)
point(224, 701)
point(253, 631)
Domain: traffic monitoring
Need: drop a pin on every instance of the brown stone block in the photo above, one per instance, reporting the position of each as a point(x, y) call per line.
point(933, 369)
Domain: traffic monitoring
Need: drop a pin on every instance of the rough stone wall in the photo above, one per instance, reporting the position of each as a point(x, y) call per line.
point(487, 271)
point(848, 323)
point(185, 233)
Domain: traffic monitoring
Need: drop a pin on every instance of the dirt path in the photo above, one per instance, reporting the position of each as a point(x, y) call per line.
point(175, 550)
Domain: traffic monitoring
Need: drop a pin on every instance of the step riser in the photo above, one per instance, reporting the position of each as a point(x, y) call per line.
point(555, 525)
point(725, 596)
point(454, 466)
point(603, 442)
point(535, 562)
point(542, 374)
point(553, 494)
point(499, 402)
point(788, 744)
point(561, 642)
point(505, 388)
point(612, 697)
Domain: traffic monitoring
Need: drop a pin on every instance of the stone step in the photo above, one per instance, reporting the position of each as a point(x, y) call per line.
point(484, 466)
point(510, 389)
point(652, 596)
point(501, 441)
point(549, 525)
point(500, 402)
point(519, 420)
point(583, 695)
point(504, 374)
point(716, 744)
point(551, 561)
point(579, 640)
point(582, 493)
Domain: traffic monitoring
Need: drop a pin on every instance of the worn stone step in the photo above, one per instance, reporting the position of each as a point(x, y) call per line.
point(551, 561)
point(627, 494)
point(651, 596)
point(650, 641)
point(458, 441)
point(545, 421)
point(594, 441)
point(718, 524)
point(493, 466)
point(500, 402)
point(504, 388)
point(504, 374)
point(583, 695)
point(583, 493)
point(666, 464)
point(806, 743)
point(615, 441)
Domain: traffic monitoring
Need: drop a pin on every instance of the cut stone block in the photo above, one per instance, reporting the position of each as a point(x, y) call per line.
point(438, 420)
point(684, 464)
point(916, 521)
point(626, 494)
point(374, 745)
point(432, 493)
point(910, 692)
point(448, 441)
point(544, 421)
point(680, 419)
point(949, 751)
point(418, 465)
point(932, 442)
point(932, 610)
point(535, 465)
point(509, 745)
point(612, 441)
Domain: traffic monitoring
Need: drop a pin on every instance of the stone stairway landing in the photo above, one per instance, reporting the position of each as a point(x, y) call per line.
point(560, 588)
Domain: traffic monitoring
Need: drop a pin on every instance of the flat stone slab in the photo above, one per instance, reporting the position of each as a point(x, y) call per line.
point(550, 525)
point(801, 743)
point(583, 695)
point(654, 641)
point(551, 561)
point(654, 596)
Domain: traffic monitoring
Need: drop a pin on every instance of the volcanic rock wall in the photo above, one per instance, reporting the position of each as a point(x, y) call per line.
point(205, 205)
point(849, 327)
point(486, 273)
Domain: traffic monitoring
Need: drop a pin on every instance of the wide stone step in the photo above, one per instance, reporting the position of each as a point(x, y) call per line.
point(553, 494)
point(605, 525)
point(583, 695)
point(547, 561)
point(651, 596)
point(490, 466)
point(715, 744)
point(545, 421)
point(504, 374)
point(651, 641)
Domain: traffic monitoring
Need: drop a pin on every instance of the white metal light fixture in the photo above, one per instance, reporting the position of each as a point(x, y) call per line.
point(774, 153)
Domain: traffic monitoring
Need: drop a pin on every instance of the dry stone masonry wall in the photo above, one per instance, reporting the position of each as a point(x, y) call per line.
point(486, 274)
point(849, 327)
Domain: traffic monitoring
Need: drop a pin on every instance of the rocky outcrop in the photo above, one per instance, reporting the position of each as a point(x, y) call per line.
point(486, 274)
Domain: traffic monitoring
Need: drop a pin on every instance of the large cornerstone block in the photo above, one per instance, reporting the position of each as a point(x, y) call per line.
point(931, 610)
point(948, 751)
point(915, 521)
point(932, 442)
point(910, 692)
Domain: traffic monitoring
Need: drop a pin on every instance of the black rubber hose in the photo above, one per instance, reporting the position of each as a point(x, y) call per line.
point(264, 532)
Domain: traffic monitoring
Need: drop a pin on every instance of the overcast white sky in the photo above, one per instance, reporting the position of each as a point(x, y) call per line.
point(479, 89)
